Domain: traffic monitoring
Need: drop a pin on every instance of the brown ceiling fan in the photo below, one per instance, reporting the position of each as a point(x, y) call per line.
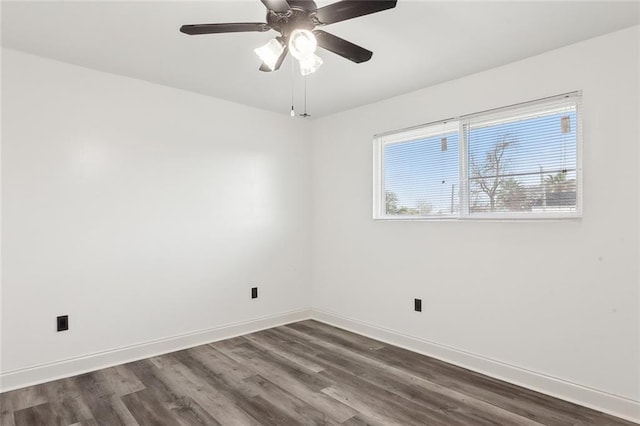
point(296, 21)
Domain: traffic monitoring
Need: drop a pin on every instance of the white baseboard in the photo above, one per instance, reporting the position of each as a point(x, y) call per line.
point(41, 373)
point(582, 395)
point(602, 401)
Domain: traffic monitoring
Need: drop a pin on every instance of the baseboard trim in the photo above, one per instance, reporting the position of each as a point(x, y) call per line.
point(598, 400)
point(36, 374)
point(602, 401)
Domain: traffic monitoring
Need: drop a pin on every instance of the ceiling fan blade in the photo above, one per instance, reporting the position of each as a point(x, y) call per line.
point(276, 5)
point(283, 55)
point(349, 9)
point(342, 47)
point(236, 27)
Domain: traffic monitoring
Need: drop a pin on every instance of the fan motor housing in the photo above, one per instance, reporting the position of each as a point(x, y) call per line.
point(301, 16)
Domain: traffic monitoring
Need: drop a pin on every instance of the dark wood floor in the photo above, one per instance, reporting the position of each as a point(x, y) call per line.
point(300, 374)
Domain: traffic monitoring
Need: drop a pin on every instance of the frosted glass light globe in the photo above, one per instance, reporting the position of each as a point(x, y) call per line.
point(310, 64)
point(302, 43)
point(270, 53)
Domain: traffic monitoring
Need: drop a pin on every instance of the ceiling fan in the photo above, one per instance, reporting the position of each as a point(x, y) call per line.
point(296, 21)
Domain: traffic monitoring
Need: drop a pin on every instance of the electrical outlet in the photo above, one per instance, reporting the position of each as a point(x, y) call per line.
point(254, 292)
point(63, 322)
point(417, 305)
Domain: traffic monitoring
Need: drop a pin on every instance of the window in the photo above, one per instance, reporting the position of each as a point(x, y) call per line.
point(511, 163)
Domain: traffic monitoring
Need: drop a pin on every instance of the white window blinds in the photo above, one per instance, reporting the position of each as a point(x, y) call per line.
point(523, 160)
point(421, 174)
point(514, 162)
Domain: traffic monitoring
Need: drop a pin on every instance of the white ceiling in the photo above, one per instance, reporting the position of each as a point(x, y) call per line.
point(417, 44)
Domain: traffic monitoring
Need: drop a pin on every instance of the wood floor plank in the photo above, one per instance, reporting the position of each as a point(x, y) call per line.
point(306, 373)
point(181, 408)
point(63, 401)
point(517, 400)
point(255, 406)
point(295, 408)
point(147, 410)
point(270, 365)
point(7, 419)
point(409, 386)
point(123, 412)
point(119, 380)
point(249, 383)
point(232, 371)
point(307, 392)
point(333, 334)
point(229, 369)
point(22, 398)
point(36, 415)
point(222, 409)
point(268, 413)
point(97, 399)
point(274, 345)
point(358, 420)
point(423, 393)
point(74, 396)
point(511, 398)
point(380, 401)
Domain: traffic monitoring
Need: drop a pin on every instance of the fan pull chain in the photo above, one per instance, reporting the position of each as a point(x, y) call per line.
point(305, 95)
point(305, 115)
point(293, 113)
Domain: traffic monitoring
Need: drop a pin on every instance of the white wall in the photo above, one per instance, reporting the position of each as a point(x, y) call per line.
point(557, 299)
point(142, 212)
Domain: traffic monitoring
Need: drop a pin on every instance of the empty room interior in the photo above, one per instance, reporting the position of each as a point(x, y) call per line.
point(295, 212)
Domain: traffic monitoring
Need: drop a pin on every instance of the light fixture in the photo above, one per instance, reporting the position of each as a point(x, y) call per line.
point(309, 64)
point(302, 43)
point(270, 52)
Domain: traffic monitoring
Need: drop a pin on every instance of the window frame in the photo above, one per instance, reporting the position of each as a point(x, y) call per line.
point(427, 130)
